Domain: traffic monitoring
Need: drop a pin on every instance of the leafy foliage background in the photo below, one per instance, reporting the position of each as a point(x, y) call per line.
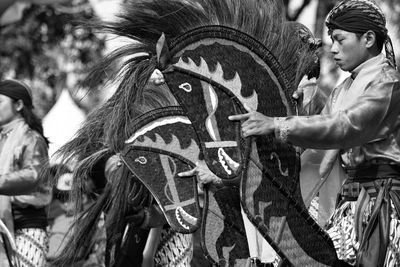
point(47, 51)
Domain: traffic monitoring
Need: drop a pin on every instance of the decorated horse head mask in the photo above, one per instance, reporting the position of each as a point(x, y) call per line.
point(217, 57)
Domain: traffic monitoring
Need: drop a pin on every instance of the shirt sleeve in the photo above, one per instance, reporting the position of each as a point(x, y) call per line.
point(358, 124)
point(29, 158)
point(314, 98)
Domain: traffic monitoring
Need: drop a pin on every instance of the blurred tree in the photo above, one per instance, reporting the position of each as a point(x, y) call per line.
point(46, 49)
point(5, 4)
point(294, 15)
point(330, 73)
point(392, 8)
point(323, 9)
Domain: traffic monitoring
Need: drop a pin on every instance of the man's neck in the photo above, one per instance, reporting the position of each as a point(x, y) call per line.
point(370, 61)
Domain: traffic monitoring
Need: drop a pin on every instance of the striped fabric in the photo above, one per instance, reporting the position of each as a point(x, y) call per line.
point(174, 250)
point(32, 246)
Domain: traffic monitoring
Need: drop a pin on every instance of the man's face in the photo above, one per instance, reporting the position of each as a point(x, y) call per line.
point(348, 49)
point(8, 111)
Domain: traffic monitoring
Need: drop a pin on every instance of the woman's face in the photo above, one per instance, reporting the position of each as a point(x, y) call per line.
point(8, 110)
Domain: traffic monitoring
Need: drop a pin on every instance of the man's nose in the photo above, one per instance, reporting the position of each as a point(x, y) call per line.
point(334, 49)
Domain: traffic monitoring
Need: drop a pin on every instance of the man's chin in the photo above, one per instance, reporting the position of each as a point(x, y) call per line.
point(342, 67)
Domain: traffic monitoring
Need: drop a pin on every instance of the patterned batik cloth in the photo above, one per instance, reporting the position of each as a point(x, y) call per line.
point(313, 209)
point(174, 250)
point(32, 247)
point(340, 229)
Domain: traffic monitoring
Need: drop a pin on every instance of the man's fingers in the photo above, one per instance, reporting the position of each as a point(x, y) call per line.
point(247, 133)
point(200, 187)
point(249, 129)
point(157, 77)
point(246, 126)
point(159, 81)
point(298, 93)
point(188, 173)
point(249, 109)
point(248, 123)
point(239, 117)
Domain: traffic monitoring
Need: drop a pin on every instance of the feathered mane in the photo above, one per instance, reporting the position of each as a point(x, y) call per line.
point(143, 22)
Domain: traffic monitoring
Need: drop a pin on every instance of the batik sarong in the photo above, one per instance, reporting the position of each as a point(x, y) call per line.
point(343, 232)
point(174, 250)
point(32, 247)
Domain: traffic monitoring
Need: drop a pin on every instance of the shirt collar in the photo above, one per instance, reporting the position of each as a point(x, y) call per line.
point(7, 128)
point(370, 62)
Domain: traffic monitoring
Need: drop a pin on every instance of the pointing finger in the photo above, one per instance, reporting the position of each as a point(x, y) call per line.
point(239, 117)
point(188, 173)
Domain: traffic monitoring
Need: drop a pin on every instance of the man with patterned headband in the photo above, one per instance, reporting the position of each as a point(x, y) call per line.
point(358, 132)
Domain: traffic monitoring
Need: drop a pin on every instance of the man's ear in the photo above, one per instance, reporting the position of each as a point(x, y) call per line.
point(19, 105)
point(370, 37)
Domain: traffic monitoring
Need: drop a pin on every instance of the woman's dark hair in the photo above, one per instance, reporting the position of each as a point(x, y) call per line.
point(18, 90)
point(33, 121)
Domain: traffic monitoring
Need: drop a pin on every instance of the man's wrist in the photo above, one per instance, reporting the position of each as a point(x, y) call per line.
point(281, 128)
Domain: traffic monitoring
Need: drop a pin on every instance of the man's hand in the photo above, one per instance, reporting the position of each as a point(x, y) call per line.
point(298, 95)
point(157, 77)
point(203, 173)
point(254, 123)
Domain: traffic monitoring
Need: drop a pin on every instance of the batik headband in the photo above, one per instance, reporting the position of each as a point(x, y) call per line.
point(359, 16)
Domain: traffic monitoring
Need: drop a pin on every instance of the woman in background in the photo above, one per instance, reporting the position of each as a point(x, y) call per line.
point(23, 195)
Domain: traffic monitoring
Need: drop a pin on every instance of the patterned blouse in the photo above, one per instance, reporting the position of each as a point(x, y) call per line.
point(29, 157)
